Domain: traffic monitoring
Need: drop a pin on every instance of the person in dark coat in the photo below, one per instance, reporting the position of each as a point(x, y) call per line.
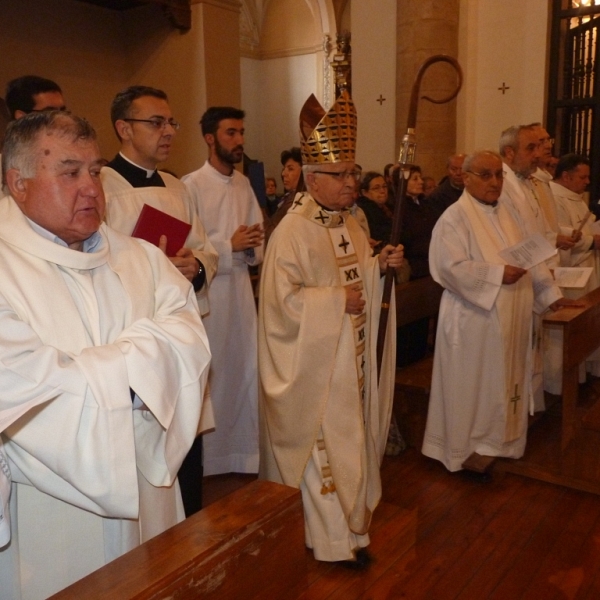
point(419, 217)
point(451, 186)
point(372, 200)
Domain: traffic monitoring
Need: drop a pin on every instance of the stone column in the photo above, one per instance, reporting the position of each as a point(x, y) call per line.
point(425, 28)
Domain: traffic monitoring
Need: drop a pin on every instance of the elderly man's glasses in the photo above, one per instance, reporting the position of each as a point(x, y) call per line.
point(488, 175)
point(158, 123)
point(341, 175)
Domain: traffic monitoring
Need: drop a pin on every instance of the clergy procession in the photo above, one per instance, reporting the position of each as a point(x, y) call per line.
point(132, 367)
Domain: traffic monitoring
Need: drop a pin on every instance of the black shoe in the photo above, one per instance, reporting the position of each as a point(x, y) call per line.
point(484, 477)
point(362, 561)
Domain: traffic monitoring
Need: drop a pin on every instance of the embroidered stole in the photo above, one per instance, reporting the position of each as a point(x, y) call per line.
point(350, 275)
point(513, 307)
point(544, 197)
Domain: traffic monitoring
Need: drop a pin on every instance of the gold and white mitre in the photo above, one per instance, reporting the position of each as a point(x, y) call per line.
point(328, 137)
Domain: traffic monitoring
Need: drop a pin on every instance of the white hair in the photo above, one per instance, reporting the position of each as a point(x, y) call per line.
point(475, 155)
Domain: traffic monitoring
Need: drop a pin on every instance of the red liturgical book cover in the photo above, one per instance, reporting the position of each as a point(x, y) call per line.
point(152, 223)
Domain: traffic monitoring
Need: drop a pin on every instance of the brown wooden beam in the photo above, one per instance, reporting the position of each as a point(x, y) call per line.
point(178, 12)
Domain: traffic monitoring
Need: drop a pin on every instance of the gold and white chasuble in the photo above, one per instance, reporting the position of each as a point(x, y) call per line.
point(317, 363)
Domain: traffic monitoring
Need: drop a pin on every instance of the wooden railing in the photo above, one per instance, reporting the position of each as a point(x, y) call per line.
point(247, 545)
point(581, 336)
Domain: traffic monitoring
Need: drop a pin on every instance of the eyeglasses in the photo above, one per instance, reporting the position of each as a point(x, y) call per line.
point(547, 142)
point(532, 147)
point(341, 175)
point(49, 109)
point(158, 123)
point(487, 175)
point(377, 188)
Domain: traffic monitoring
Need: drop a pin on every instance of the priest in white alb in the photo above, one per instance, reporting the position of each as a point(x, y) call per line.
point(144, 124)
point(572, 177)
point(324, 418)
point(227, 206)
point(143, 121)
point(522, 150)
point(482, 364)
point(103, 363)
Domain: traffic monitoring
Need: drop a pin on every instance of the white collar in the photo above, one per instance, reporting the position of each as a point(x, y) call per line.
point(149, 172)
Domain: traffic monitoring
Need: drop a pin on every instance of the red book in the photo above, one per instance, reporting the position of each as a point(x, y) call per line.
point(152, 223)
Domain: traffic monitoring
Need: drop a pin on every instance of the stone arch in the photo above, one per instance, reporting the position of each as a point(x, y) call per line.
point(291, 27)
point(284, 49)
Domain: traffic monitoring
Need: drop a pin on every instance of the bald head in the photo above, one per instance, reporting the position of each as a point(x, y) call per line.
point(455, 170)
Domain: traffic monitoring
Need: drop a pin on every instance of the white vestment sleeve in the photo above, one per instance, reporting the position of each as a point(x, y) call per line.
point(165, 385)
point(198, 242)
point(451, 266)
point(91, 420)
point(545, 291)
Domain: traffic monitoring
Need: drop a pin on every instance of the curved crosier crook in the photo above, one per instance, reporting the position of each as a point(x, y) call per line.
point(407, 158)
point(414, 96)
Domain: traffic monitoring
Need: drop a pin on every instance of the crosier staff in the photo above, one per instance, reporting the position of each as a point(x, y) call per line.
point(406, 161)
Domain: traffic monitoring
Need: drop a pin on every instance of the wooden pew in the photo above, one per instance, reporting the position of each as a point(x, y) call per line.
point(581, 336)
point(247, 545)
point(415, 300)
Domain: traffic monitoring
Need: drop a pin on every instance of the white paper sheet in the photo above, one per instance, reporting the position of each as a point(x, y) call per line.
point(572, 277)
point(530, 252)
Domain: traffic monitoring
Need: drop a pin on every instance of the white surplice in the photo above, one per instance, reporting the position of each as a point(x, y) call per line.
point(572, 209)
point(224, 203)
point(311, 378)
point(92, 478)
point(482, 364)
point(125, 202)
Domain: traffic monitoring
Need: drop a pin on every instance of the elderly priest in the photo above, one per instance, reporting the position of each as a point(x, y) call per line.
point(482, 363)
point(325, 420)
point(103, 353)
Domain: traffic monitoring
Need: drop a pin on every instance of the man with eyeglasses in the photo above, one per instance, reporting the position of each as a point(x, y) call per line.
point(541, 178)
point(144, 124)
point(481, 375)
point(521, 152)
point(451, 187)
point(325, 419)
point(231, 214)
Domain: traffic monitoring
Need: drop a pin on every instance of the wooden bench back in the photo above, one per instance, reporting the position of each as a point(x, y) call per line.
point(417, 299)
point(247, 545)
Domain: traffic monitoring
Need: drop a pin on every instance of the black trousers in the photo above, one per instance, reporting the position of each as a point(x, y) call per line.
point(190, 478)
